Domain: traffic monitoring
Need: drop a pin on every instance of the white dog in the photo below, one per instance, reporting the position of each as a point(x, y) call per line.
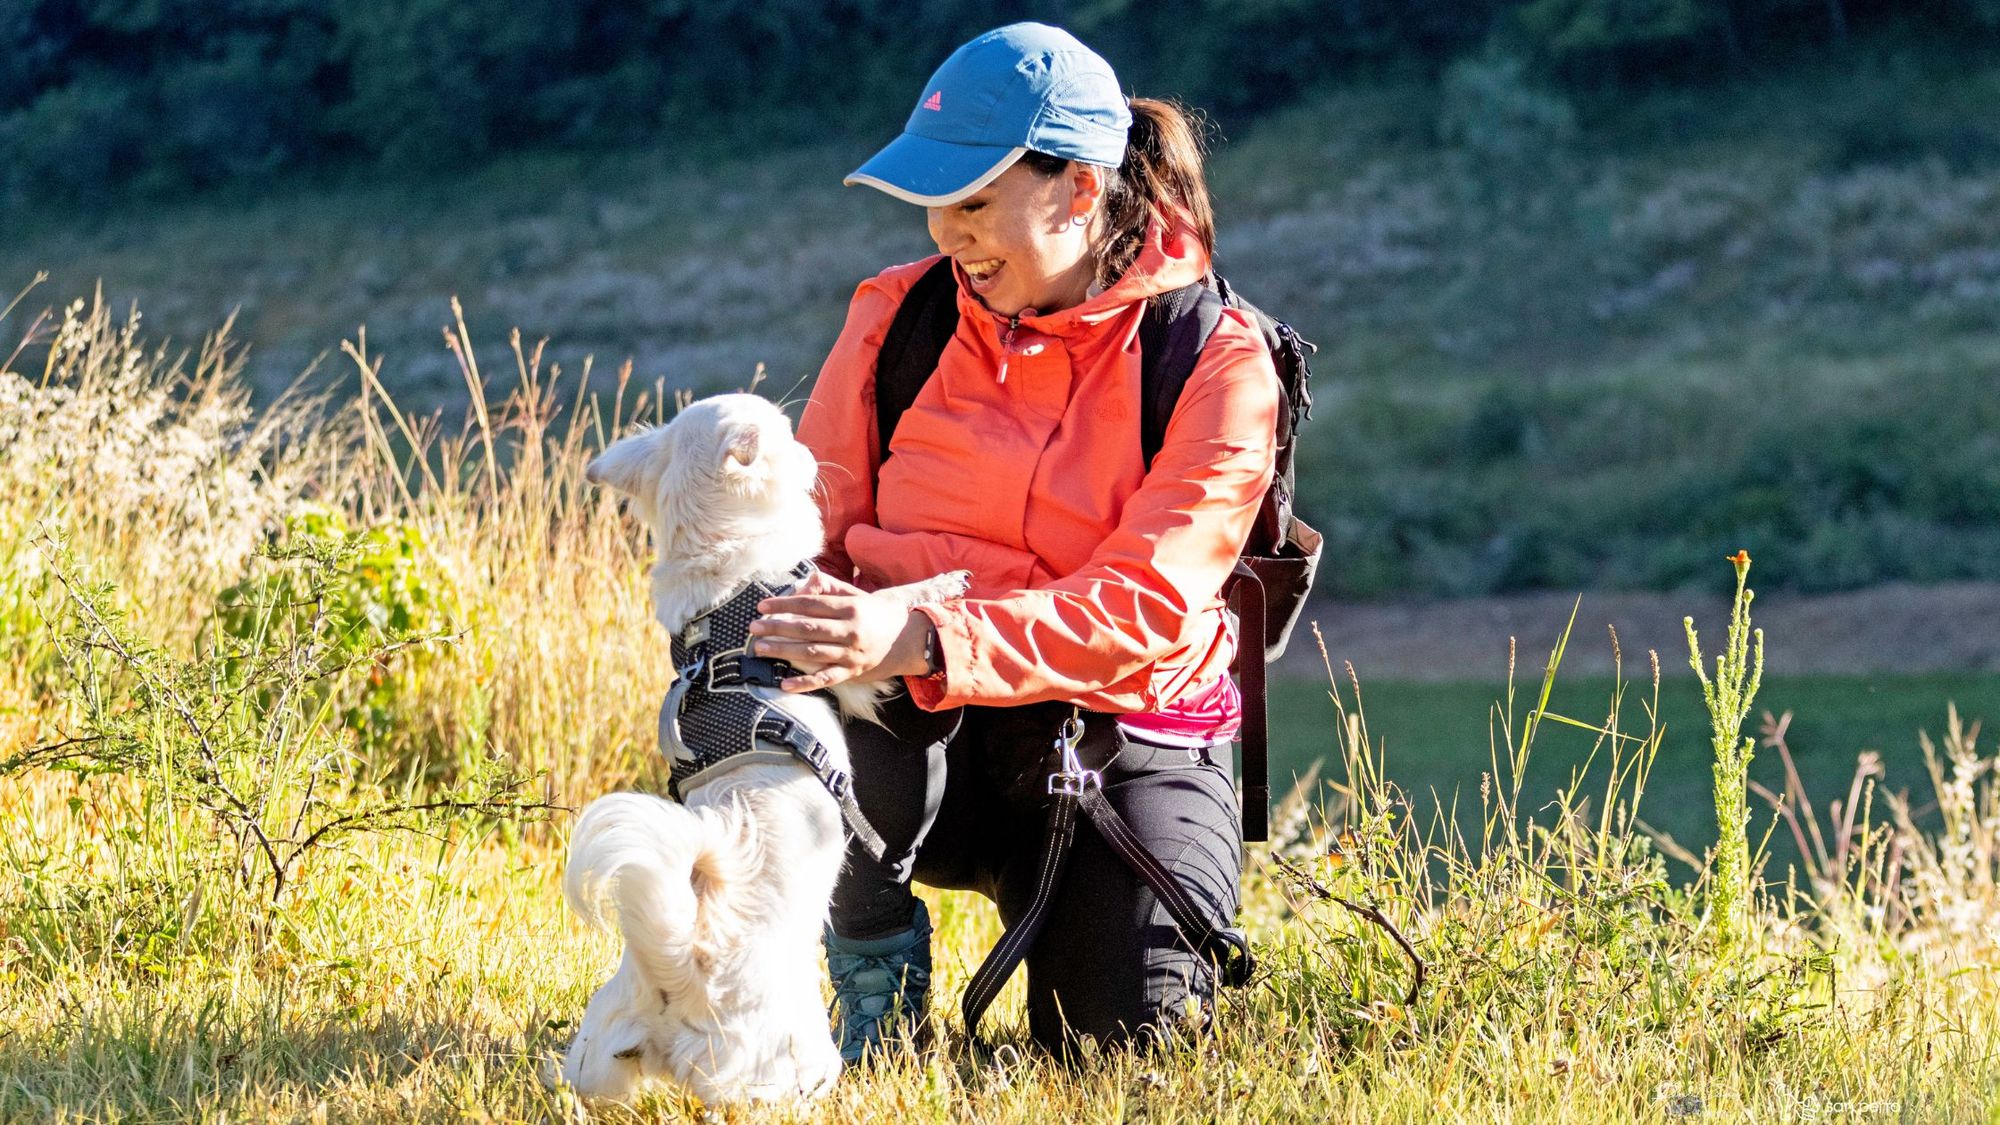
point(722, 899)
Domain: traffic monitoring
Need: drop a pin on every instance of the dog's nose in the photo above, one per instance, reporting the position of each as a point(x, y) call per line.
point(592, 474)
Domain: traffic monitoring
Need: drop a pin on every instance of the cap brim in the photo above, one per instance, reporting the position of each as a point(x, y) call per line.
point(933, 173)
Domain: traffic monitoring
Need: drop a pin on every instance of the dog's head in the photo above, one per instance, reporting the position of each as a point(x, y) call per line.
point(630, 1034)
point(725, 469)
point(620, 1028)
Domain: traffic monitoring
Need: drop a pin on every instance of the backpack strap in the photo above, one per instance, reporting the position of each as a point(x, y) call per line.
point(1172, 333)
point(923, 325)
point(1247, 601)
point(1176, 327)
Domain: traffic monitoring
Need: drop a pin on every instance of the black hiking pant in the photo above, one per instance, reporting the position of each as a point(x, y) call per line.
point(960, 797)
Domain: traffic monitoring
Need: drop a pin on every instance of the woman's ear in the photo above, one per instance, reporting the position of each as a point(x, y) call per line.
point(1086, 187)
point(632, 464)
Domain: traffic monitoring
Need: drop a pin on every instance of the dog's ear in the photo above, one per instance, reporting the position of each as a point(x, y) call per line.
point(630, 464)
point(741, 448)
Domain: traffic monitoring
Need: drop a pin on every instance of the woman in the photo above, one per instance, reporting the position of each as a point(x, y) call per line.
point(1095, 580)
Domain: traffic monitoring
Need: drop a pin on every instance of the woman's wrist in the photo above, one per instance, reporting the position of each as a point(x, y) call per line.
point(916, 647)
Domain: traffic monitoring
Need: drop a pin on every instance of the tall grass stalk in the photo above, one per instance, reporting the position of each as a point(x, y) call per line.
point(1729, 695)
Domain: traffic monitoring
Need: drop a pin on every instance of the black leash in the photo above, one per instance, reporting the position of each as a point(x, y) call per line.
point(1072, 789)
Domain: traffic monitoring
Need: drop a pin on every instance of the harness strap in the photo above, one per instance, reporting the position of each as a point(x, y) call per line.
point(715, 667)
point(782, 728)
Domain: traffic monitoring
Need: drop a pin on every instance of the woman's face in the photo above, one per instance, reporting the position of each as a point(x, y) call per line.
point(1016, 240)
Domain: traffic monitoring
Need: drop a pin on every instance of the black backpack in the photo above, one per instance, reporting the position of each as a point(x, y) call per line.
point(1268, 589)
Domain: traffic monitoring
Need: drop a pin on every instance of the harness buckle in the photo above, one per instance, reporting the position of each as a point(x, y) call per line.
point(795, 735)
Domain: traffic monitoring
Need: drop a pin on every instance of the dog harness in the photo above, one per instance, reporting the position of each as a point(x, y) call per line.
point(720, 712)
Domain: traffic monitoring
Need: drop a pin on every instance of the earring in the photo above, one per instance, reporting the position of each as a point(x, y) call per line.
point(1079, 219)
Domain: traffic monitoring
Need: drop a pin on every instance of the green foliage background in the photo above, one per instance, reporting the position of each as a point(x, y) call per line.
point(103, 96)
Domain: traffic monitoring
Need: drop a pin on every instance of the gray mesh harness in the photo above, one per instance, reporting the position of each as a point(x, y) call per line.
point(719, 712)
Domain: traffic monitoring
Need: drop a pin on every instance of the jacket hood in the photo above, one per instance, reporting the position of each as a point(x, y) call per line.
point(1170, 257)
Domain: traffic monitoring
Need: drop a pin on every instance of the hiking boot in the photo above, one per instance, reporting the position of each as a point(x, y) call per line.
point(879, 986)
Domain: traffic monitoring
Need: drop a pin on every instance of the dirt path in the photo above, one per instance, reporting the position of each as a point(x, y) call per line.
point(1895, 628)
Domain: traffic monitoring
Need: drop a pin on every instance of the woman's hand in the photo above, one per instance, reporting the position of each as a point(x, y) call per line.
point(838, 633)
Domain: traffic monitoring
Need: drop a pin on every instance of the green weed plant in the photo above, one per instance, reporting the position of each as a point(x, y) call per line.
point(1729, 694)
point(255, 751)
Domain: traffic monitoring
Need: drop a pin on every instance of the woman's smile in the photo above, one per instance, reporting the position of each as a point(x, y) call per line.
point(984, 275)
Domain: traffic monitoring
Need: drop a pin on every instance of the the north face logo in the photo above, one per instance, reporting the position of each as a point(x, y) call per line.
point(935, 101)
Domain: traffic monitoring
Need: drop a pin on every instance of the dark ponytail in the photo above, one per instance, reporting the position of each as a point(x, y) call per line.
point(1161, 178)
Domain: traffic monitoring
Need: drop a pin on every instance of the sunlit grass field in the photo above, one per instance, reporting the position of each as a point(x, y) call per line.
point(293, 724)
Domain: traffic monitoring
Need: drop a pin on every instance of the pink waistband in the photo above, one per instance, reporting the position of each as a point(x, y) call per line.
point(1213, 714)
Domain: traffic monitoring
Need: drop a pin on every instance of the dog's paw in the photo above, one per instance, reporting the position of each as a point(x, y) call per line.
point(954, 584)
point(804, 1071)
point(819, 1069)
point(941, 588)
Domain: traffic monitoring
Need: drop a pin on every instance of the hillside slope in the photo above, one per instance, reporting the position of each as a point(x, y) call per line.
point(1556, 356)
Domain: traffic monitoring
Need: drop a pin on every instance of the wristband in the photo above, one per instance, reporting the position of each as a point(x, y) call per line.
point(933, 660)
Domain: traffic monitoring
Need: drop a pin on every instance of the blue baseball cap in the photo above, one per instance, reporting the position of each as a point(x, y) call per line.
point(1020, 87)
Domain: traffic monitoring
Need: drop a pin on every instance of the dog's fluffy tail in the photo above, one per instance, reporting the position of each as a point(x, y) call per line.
point(653, 862)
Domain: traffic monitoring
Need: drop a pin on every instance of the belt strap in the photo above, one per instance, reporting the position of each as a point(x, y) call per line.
point(1226, 948)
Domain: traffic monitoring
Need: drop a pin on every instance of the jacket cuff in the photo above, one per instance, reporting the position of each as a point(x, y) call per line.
point(955, 648)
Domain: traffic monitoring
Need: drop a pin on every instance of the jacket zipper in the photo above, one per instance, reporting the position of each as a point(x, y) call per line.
point(1007, 344)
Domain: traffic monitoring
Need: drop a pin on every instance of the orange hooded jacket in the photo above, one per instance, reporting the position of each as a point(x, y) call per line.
point(1093, 580)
